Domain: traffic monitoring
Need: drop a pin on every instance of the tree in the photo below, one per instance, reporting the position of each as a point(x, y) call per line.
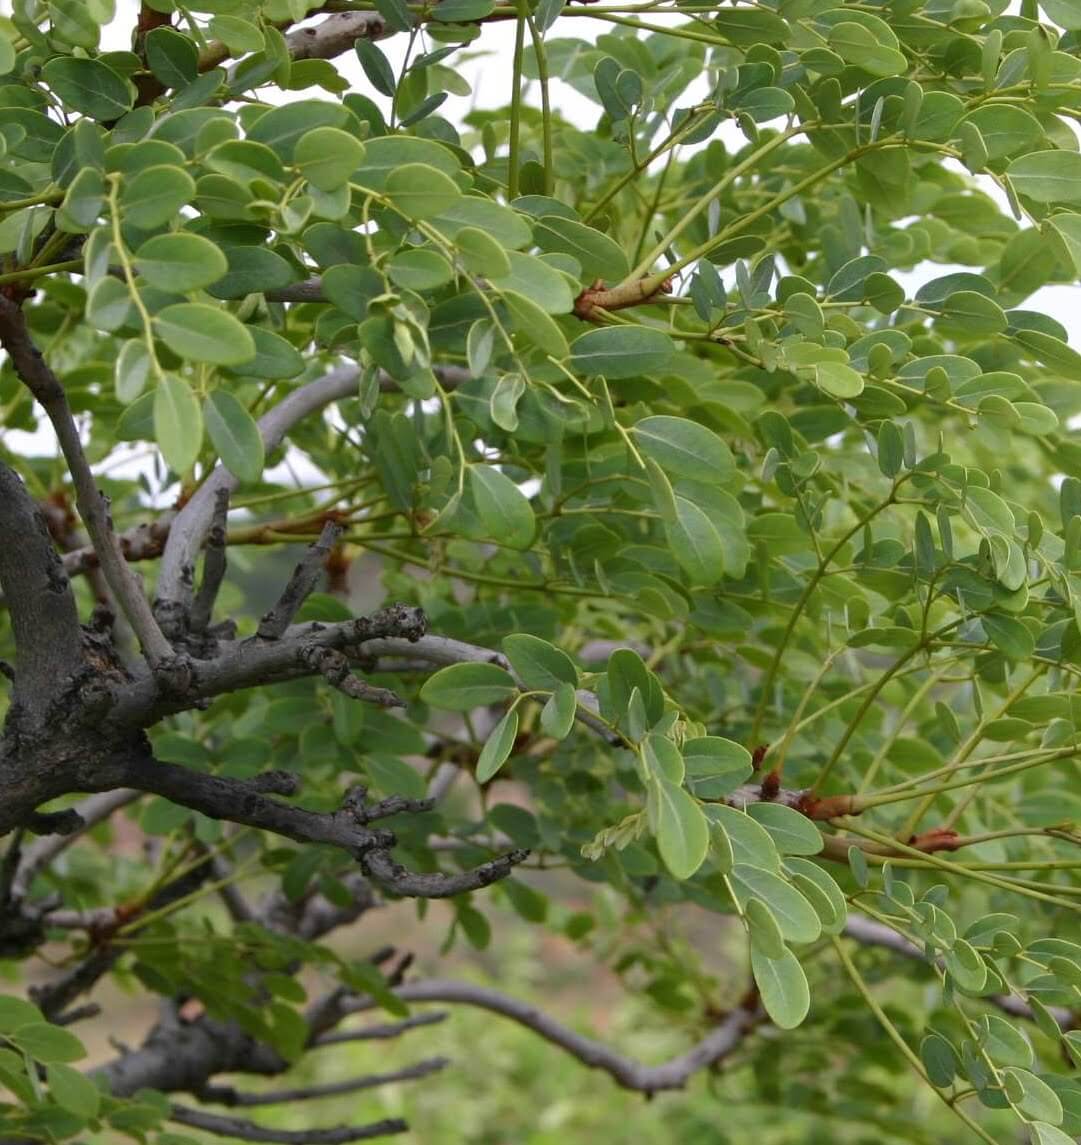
point(701, 555)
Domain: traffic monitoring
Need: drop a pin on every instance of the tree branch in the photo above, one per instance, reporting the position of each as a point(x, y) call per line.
point(214, 563)
point(300, 584)
point(35, 373)
point(335, 35)
point(625, 1071)
point(227, 1095)
point(192, 523)
point(249, 1131)
point(384, 1031)
point(44, 619)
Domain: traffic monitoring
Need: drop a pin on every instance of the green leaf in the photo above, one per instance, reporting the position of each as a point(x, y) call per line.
point(504, 510)
point(328, 157)
point(15, 1012)
point(858, 45)
point(178, 423)
point(419, 269)
point(597, 254)
point(204, 334)
point(940, 1060)
point(966, 967)
point(481, 253)
point(72, 1091)
point(461, 687)
point(133, 366)
point(535, 324)
point(695, 543)
point(234, 434)
point(1033, 1098)
point(680, 827)
point(751, 844)
point(622, 352)
point(715, 766)
point(538, 664)
point(683, 448)
point(838, 379)
point(420, 191)
point(154, 195)
point(1047, 176)
point(793, 833)
point(798, 920)
point(557, 715)
point(821, 891)
point(180, 263)
point(48, 1043)
point(782, 986)
point(172, 57)
point(376, 66)
point(764, 931)
point(89, 87)
point(497, 747)
point(1009, 634)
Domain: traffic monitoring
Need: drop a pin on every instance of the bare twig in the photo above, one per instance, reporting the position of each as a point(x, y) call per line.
point(627, 1072)
point(300, 584)
point(383, 1031)
point(226, 1095)
point(214, 563)
point(250, 1131)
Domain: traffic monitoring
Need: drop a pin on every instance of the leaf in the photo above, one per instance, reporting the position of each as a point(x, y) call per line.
point(858, 45)
point(821, 891)
point(622, 352)
point(420, 191)
point(1047, 176)
point(838, 379)
point(172, 57)
point(72, 1091)
point(497, 747)
point(966, 967)
point(1033, 1098)
point(798, 920)
point(234, 434)
point(1009, 634)
point(154, 195)
point(15, 1012)
point(178, 423)
point(376, 66)
point(793, 833)
point(557, 715)
point(48, 1043)
point(940, 1060)
point(695, 543)
point(534, 279)
point(538, 664)
point(204, 334)
point(503, 508)
point(89, 87)
point(764, 931)
point(460, 687)
point(598, 255)
point(503, 407)
point(180, 263)
point(751, 844)
point(328, 157)
point(782, 986)
point(535, 324)
point(419, 269)
point(481, 253)
point(715, 766)
point(680, 827)
point(133, 365)
point(684, 448)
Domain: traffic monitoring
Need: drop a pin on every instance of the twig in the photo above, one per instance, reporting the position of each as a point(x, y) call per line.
point(382, 1032)
point(300, 584)
point(214, 563)
point(337, 671)
point(226, 1095)
point(627, 1072)
point(249, 1131)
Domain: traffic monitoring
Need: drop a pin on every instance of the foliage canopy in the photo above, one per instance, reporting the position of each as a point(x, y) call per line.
point(703, 556)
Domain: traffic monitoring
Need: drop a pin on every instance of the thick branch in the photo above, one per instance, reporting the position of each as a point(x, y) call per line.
point(44, 618)
point(627, 1072)
point(93, 508)
point(336, 35)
